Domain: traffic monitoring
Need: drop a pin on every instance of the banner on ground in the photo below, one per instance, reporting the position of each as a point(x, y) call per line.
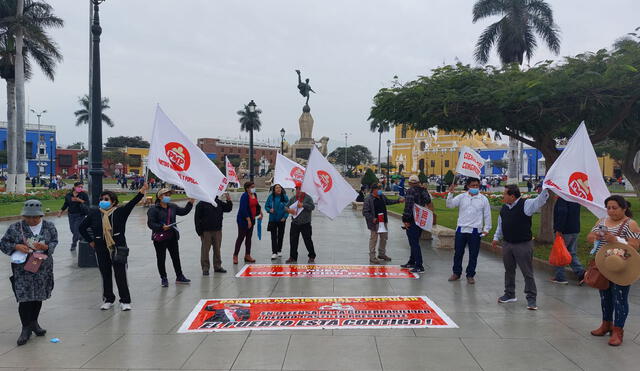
point(174, 158)
point(325, 271)
point(287, 172)
point(297, 313)
point(326, 186)
point(470, 163)
point(423, 217)
point(576, 176)
point(232, 176)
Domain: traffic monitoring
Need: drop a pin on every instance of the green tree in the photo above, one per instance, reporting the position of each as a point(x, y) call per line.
point(449, 177)
point(82, 115)
point(369, 178)
point(380, 127)
point(356, 155)
point(76, 145)
point(423, 177)
point(124, 141)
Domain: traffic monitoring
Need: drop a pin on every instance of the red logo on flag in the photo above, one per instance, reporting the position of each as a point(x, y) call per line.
point(232, 172)
point(325, 180)
point(579, 186)
point(178, 156)
point(297, 174)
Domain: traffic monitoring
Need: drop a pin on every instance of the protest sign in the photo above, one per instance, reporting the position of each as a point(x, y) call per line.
point(325, 271)
point(470, 163)
point(423, 217)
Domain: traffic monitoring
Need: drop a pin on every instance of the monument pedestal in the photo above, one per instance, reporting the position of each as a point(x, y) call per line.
point(301, 149)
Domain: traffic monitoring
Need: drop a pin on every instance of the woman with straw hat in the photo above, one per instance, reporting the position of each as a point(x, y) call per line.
point(616, 239)
point(31, 243)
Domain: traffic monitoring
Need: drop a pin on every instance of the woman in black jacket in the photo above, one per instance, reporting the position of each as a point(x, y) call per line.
point(107, 224)
point(161, 219)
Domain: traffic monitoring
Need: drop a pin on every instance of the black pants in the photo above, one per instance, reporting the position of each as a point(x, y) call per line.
point(29, 312)
point(294, 237)
point(74, 223)
point(161, 255)
point(119, 271)
point(277, 235)
point(244, 234)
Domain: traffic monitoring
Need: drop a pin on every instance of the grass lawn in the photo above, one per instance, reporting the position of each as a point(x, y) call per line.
point(449, 217)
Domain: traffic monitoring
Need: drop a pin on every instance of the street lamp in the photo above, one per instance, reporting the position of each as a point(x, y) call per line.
point(38, 114)
point(95, 108)
point(252, 111)
point(346, 135)
point(50, 158)
point(388, 165)
point(282, 132)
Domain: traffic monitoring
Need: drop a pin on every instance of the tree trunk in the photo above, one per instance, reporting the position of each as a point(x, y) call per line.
point(512, 170)
point(628, 168)
point(379, 144)
point(545, 234)
point(11, 136)
point(21, 154)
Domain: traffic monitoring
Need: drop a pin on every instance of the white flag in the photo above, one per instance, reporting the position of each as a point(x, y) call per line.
point(470, 163)
point(176, 160)
point(326, 186)
point(576, 174)
point(232, 176)
point(423, 217)
point(287, 172)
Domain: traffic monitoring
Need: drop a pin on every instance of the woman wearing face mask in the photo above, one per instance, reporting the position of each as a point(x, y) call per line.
point(161, 219)
point(276, 207)
point(615, 299)
point(76, 202)
point(26, 241)
point(248, 210)
point(107, 224)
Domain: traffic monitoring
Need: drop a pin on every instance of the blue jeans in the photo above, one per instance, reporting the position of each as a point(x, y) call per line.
point(462, 239)
point(615, 299)
point(413, 234)
point(571, 240)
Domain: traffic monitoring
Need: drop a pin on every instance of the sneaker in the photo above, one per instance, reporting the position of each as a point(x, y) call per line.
point(279, 254)
point(417, 270)
point(73, 248)
point(164, 282)
point(384, 257)
point(220, 270)
point(454, 277)
point(471, 280)
point(274, 256)
point(531, 304)
point(206, 273)
point(507, 299)
point(408, 265)
point(374, 261)
point(291, 261)
point(182, 280)
point(559, 282)
point(125, 307)
point(106, 306)
point(311, 261)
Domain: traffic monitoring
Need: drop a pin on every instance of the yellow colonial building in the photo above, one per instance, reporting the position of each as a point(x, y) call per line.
point(136, 159)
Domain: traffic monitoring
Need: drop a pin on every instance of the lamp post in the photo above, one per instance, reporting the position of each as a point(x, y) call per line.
point(282, 132)
point(95, 109)
point(346, 135)
point(388, 163)
point(38, 114)
point(50, 158)
point(252, 111)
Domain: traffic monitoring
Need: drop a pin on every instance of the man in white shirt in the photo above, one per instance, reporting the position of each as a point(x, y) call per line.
point(484, 184)
point(474, 222)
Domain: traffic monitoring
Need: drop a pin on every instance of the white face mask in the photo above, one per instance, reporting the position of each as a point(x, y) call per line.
point(252, 190)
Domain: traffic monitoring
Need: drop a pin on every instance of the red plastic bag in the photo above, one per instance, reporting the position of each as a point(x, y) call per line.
point(559, 256)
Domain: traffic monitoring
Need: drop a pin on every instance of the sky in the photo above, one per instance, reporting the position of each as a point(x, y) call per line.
point(203, 60)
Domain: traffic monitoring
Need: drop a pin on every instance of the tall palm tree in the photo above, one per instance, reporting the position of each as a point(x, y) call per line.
point(82, 115)
point(38, 47)
point(250, 121)
point(380, 127)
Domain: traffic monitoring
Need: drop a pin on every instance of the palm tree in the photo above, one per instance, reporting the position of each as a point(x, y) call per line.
point(250, 121)
point(82, 115)
point(380, 127)
point(36, 17)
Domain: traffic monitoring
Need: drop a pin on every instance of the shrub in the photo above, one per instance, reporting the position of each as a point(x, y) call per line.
point(369, 178)
point(448, 177)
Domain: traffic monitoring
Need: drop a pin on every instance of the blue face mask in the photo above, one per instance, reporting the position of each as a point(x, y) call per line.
point(104, 205)
point(474, 191)
point(379, 192)
point(166, 199)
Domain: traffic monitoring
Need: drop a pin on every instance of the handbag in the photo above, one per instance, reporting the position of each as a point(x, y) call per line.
point(163, 235)
point(119, 254)
point(34, 261)
point(559, 256)
point(592, 275)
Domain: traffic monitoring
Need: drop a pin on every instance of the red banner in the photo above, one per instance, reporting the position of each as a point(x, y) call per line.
point(251, 314)
point(325, 271)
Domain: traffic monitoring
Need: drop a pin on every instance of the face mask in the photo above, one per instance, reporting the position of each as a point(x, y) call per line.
point(474, 191)
point(166, 199)
point(252, 190)
point(104, 205)
point(78, 189)
point(379, 192)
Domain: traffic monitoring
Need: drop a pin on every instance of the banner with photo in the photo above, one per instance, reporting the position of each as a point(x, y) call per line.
point(298, 313)
point(325, 271)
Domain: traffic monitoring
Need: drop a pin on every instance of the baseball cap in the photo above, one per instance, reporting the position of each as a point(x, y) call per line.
point(414, 179)
point(298, 184)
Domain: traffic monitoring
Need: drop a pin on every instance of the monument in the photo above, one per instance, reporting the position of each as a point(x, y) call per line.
point(301, 149)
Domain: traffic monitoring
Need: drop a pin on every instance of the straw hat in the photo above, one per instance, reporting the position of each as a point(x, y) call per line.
point(162, 191)
point(414, 179)
point(619, 262)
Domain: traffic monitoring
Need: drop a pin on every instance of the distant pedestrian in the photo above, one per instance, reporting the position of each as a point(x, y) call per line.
point(529, 185)
point(300, 208)
point(77, 204)
point(374, 211)
point(248, 211)
point(416, 195)
point(208, 223)
point(276, 207)
point(566, 223)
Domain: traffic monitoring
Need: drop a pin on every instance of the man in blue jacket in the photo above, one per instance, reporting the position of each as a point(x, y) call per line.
point(566, 223)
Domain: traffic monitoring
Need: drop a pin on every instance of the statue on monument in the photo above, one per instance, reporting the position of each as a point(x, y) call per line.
point(305, 90)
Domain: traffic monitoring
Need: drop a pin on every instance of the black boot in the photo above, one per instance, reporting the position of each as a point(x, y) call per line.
point(24, 335)
point(39, 331)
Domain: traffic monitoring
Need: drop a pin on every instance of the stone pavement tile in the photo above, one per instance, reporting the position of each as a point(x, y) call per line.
point(375, 332)
point(139, 321)
point(332, 353)
point(293, 332)
point(527, 326)
point(362, 287)
point(147, 351)
point(73, 351)
point(584, 324)
point(7, 342)
point(217, 351)
point(470, 325)
point(597, 354)
point(69, 321)
point(517, 354)
point(263, 353)
point(424, 354)
point(70, 369)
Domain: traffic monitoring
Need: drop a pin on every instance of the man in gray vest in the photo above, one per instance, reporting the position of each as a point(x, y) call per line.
point(514, 228)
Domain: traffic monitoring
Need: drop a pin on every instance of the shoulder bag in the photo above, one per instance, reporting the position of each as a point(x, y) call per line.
point(592, 276)
point(163, 235)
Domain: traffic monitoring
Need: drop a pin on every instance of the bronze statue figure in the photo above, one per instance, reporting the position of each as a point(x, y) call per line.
point(304, 88)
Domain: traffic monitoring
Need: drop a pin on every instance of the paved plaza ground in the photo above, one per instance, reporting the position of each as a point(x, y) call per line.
point(490, 336)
